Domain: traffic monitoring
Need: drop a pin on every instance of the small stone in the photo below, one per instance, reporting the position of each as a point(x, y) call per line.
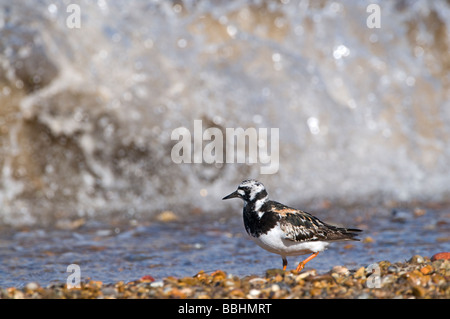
point(418, 291)
point(305, 274)
point(341, 270)
point(443, 255)
point(438, 280)
point(392, 269)
point(253, 293)
point(167, 216)
point(416, 259)
point(95, 284)
point(147, 278)
point(360, 273)
point(257, 281)
point(419, 212)
point(219, 275)
point(368, 240)
point(278, 278)
point(364, 295)
point(189, 281)
point(229, 283)
point(273, 272)
point(18, 295)
point(177, 294)
point(415, 277)
point(187, 291)
point(109, 291)
point(426, 269)
point(388, 279)
point(157, 284)
point(32, 286)
point(315, 292)
point(237, 293)
point(67, 224)
point(275, 288)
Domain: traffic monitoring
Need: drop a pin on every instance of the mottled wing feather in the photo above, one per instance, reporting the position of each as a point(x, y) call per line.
point(302, 226)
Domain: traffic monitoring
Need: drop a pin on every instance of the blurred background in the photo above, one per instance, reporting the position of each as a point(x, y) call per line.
point(86, 112)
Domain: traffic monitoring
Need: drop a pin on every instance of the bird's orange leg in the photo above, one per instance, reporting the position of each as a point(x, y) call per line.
point(284, 263)
point(302, 264)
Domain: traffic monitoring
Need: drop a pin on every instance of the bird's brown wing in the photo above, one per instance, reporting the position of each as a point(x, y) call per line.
point(301, 226)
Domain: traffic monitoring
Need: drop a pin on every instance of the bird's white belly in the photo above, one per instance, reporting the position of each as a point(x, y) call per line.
point(275, 242)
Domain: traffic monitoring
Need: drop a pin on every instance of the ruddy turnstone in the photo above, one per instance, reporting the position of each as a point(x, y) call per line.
point(284, 230)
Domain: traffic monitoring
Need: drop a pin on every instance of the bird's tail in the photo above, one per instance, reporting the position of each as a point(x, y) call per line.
point(351, 233)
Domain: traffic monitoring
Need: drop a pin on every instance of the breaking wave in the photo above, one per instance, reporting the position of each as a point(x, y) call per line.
point(86, 114)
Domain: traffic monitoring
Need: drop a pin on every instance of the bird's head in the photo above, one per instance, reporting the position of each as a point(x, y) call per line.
point(249, 190)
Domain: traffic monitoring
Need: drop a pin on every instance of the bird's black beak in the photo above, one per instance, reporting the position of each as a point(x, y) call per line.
point(232, 195)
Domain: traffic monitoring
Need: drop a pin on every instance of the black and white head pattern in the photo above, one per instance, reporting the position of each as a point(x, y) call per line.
point(252, 191)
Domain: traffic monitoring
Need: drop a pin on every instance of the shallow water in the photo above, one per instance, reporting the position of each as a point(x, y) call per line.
point(112, 253)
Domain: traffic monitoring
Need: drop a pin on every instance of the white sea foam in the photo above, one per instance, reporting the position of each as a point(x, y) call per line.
point(87, 113)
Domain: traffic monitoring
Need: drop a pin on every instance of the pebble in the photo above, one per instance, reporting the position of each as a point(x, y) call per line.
point(392, 269)
point(418, 291)
point(426, 269)
point(306, 274)
point(419, 212)
point(274, 272)
point(157, 284)
point(364, 295)
point(443, 255)
point(368, 240)
point(388, 279)
point(254, 292)
point(416, 259)
point(341, 270)
point(32, 286)
point(109, 292)
point(275, 288)
point(147, 278)
point(257, 281)
point(167, 216)
point(360, 273)
point(418, 278)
